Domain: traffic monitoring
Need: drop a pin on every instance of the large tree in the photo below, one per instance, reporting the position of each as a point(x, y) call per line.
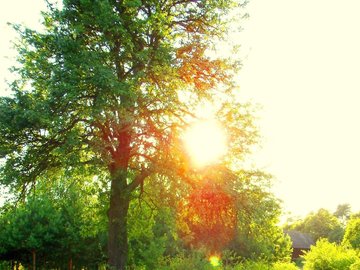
point(107, 87)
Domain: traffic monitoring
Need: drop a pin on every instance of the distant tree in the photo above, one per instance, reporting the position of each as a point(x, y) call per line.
point(355, 215)
point(352, 233)
point(343, 212)
point(321, 224)
point(108, 87)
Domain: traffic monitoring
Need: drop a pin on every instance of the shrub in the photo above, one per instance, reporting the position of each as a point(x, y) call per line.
point(251, 265)
point(284, 266)
point(182, 262)
point(325, 255)
point(299, 262)
point(198, 262)
point(355, 266)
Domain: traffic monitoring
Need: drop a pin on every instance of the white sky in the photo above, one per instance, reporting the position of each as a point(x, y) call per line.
point(302, 66)
point(15, 11)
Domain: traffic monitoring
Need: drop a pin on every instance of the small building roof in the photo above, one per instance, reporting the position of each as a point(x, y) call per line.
point(300, 240)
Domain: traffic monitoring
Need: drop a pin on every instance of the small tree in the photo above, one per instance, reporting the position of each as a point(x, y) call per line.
point(29, 230)
point(343, 213)
point(54, 227)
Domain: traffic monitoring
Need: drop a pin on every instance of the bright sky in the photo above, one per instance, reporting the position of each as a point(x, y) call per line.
point(301, 66)
point(15, 11)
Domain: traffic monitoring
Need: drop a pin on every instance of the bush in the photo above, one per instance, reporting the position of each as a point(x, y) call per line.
point(299, 262)
point(284, 266)
point(181, 262)
point(198, 262)
point(325, 255)
point(251, 265)
point(355, 266)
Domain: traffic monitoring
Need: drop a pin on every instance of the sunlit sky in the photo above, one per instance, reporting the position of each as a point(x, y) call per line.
point(302, 65)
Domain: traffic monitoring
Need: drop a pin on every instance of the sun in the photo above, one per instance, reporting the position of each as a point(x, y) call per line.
point(205, 142)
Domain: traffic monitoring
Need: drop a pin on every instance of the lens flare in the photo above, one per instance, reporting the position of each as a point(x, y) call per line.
point(214, 260)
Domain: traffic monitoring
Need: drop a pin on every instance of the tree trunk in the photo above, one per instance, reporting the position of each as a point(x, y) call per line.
point(33, 259)
point(70, 266)
point(118, 210)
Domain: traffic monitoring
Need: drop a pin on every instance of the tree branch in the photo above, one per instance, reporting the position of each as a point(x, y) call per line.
point(139, 179)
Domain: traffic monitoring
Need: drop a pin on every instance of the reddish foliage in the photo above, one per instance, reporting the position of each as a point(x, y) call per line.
point(207, 218)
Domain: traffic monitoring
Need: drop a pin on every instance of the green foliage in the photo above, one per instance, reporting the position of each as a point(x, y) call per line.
point(104, 93)
point(321, 224)
point(253, 265)
point(258, 235)
point(199, 263)
point(299, 262)
point(146, 247)
point(104, 68)
point(34, 226)
point(5, 265)
point(259, 265)
point(355, 215)
point(57, 222)
point(182, 262)
point(343, 212)
point(152, 225)
point(284, 266)
point(326, 255)
point(355, 266)
point(107, 88)
point(352, 233)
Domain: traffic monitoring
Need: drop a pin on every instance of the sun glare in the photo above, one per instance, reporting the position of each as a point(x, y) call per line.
point(205, 142)
point(214, 261)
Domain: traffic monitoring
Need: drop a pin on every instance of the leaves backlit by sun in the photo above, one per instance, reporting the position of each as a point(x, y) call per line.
point(205, 142)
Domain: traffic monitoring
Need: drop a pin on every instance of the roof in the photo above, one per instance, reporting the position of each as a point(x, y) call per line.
point(300, 239)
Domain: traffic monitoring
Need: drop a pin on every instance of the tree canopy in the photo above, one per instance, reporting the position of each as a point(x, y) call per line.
point(105, 93)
